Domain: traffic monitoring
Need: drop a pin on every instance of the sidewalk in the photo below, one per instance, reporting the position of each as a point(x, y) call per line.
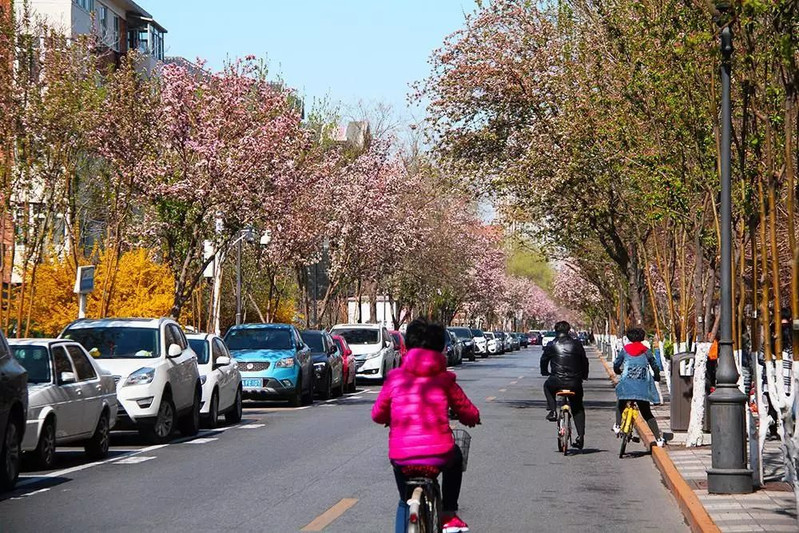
point(771, 508)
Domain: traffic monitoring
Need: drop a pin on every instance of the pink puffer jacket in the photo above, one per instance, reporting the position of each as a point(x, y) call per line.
point(415, 402)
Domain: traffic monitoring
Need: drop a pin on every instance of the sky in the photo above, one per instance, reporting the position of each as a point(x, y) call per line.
point(343, 50)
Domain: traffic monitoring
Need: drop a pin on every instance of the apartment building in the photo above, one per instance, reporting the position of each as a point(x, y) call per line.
point(121, 25)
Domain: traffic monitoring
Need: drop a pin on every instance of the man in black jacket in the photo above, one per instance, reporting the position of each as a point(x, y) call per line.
point(569, 367)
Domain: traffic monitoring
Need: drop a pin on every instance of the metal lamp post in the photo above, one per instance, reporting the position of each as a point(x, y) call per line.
point(245, 234)
point(729, 474)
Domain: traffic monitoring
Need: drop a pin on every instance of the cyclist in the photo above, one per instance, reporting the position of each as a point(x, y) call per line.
point(636, 383)
point(569, 367)
point(414, 402)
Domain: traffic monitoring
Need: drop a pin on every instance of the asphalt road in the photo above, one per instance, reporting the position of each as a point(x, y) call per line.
point(282, 468)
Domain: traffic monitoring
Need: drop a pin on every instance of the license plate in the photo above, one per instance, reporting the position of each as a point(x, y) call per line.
point(251, 383)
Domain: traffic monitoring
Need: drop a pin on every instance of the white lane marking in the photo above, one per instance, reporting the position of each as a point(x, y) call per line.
point(514, 382)
point(372, 392)
point(202, 440)
point(520, 377)
point(503, 390)
point(134, 460)
point(252, 426)
point(29, 494)
point(491, 398)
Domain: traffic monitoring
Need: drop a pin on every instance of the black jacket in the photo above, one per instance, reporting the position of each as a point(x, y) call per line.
point(566, 356)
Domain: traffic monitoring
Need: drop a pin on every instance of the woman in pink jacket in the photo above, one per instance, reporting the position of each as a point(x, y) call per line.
point(414, 402)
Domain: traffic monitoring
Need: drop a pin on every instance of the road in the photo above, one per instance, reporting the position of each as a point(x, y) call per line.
point(282, 468)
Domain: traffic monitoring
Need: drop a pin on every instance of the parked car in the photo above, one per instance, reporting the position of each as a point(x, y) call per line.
point(348, 362)
point(220, 378)
point(274, 362)
point(515, 342)
point(480, 342)
point(158, 381)
point(453, 349)
point(466, 336)
point(70, 399)
point(494, 343)
point(328, 363)
point(547, 337)
point(372, 346)
point(583, 337)
point(535, 338)
point(505, 340)
point(524, 340)
point(399, 345)
point(13, 414)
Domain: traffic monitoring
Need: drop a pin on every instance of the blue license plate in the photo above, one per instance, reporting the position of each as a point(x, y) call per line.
point(251, 383)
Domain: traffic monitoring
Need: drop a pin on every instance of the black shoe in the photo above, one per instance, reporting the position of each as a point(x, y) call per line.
point(578, 443)
point(551, 416)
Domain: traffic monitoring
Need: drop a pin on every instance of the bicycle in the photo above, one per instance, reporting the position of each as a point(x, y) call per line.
point(564, 420)
point(626, 429)
point(424, 505)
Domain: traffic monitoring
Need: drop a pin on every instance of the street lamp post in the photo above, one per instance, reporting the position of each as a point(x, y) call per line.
point(728, 474)
point(245, 234)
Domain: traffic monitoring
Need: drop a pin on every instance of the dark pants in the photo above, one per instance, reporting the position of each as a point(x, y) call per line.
point(646, 412)
point(551, 387)
point(452, 474)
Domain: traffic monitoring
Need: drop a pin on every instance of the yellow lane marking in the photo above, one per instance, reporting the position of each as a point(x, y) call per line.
point(491, 398)
point(503, 390)
point(328, 517)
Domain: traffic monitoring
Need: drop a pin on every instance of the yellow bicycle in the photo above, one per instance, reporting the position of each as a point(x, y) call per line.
point(626, 429)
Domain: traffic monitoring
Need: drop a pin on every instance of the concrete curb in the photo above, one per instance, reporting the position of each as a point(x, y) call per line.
point(695, 514)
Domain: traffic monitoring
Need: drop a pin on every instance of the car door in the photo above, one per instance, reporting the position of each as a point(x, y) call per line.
point(388, 348)
point(227, 392)
point(334, 359)
point(303, 357)
point(187, 364)
point(67, 396)
point(90, 387)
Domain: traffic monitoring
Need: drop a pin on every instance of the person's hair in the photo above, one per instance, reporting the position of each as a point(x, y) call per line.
point(422, 333)
point(785, 314)
point(562, 327)
point(636, 334)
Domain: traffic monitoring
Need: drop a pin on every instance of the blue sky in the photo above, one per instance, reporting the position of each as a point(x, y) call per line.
point(348, 50)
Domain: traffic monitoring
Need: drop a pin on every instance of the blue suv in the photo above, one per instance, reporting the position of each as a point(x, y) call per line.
point(274, 362)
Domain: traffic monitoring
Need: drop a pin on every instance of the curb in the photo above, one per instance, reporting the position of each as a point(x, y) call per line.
point(695, 514)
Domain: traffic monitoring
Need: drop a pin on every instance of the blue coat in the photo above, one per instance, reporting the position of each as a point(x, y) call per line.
point(636, 383)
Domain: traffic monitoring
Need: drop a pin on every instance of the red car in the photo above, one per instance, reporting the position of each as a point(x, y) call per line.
point(399, 344)
point(349, 363)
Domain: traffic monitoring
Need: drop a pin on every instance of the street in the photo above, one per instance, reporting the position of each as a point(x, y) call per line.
point(281, 468)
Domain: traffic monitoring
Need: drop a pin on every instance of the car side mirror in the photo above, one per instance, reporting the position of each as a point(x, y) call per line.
point(174, 350)
point(67, 377)
point(222, 361)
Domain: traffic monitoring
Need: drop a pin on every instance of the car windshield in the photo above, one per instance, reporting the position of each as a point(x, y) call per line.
point(258, 339)
point(461, 333)
point(35, 360)
point(488, 335)
point(549, 334)
point(314, 341)
point(117, 342)
point(200, 347)
point(478, 333)
point(359, 335)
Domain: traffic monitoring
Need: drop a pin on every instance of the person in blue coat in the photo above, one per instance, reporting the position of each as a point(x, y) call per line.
point(636, 382)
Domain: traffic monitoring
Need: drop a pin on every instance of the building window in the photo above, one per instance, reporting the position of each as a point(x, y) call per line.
point(88, 5)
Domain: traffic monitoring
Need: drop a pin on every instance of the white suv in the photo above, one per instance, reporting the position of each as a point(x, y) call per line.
point(158, 382)
point(372, 347)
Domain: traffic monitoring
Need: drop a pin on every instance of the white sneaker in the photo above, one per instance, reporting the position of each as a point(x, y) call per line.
point(616, 429)
point(660, 442)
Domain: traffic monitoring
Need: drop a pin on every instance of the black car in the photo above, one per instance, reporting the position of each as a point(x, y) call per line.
point(523, 339)
point(13, 414)
point(465, 335)
point(327, 362)
point(454, 349)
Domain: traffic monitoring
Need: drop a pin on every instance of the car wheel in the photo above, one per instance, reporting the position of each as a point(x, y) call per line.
point(97, 446)
point(44, 454)
point(10, 455)
point(190, 424)
point(297, 397)
point(308, 398)
point(213, 411)
point(234, 415)
point(327, 391)
point(161, 430)
point(340, 389)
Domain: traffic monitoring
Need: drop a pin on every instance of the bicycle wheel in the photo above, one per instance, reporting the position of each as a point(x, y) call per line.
point(564, 432)
point(623, 448)
point(433, 502)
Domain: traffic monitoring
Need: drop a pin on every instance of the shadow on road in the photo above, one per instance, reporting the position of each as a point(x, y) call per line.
point(28, 485)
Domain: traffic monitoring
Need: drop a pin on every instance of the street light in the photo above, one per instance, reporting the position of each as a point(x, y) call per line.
point(248, 235)
point(728, 474)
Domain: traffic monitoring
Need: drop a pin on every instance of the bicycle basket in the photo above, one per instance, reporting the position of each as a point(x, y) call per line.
point(462, 440)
